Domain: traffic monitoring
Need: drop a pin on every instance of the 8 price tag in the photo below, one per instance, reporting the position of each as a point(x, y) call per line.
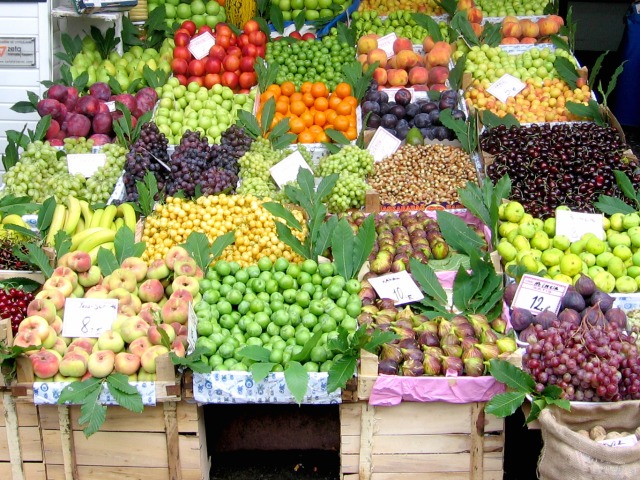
point(398, 286)
point(88, 317)
point(86, 164)
point(538, 294)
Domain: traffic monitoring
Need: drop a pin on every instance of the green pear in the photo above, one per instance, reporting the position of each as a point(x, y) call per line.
point(619, 239)
point(577, 247)
point(554, 270)
point(501, 214)
point(561, 277)
point(513, 212)
point(605, 281)
point(561, 242)
point(540, 240)
point(602, 260)
point(538, 223)
point(521, 243)
point(616, 221)
point(549, 226)
point(506, 227)
point(626, 284)
point(527, 230)
point(530, 263)
point(630, 220)
point(507, 251)
point(606, 223)
point(636, 258)
point(551, 257)
point(594, 270)
point(622, 252)
point(633, 271)
point(595, 246)
point(589, 259)
point(526, 218)
point(570, 264)
point(616, 267)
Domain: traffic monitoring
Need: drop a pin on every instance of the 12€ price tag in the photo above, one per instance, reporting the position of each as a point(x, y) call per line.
point(506, 86)
point(287, 169)
point(386, 43)
point(575, 224)
point(538, 294)
point(398, 286)
point(199, 46)
point(383, 144)
point(86, 164)
point(88, 317)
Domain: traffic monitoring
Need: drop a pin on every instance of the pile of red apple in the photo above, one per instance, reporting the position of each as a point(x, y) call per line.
point(407, 68)
point(92, 115)
point(229, 62)
point(150, 298)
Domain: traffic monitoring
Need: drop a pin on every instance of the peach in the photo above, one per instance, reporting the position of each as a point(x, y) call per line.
point(377, 55)
point(556, 18)
point(529, 28)
point(397, 77)
point(406, 59)
point(362, 58)
point(366, 43)
point(477, 29)
point(418, 75)
point(380, 75)
point(474, 15)
point(511, 29)
point(529, 40)
point(509, 41)
point(439, 87)
point(401, 44)
point(438, 75)
point(440, 54)
point(509, 19)
point(392, 63)
point(465, 5)
point(427, 44)
point(548, 27)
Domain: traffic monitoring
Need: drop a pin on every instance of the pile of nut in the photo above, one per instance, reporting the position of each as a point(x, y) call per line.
point(599, 433)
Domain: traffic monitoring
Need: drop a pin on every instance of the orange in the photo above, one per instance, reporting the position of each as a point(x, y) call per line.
point(308, 99)
point(315, 129)
point(296, 125)
point(295, 96)
point(297, 107)
point(331, 115)
point(306, 87)
point(282, 107)
point(344, 108)
point(321, 104)
point(306, 137)
point(321, 137)
point(343, 90)
point(288, 88)
point(351, 133)
point(266, 96)
point(353, 101)
point(274, 88)
point(341, 123)
point(319, 89)
point(334, 101)
point(320, 118)
point(307, 118)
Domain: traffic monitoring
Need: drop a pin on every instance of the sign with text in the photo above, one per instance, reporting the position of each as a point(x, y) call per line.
point(88, 317)
point(286, 170)
point(627, 441)
point(538, 294)
point(383, 144)
point(398, 286)
point(192, 333)
point(575, 224)
point(17, 52)
point(506, 86)
point(199, 46)
point(386, 43)
point(86, 164)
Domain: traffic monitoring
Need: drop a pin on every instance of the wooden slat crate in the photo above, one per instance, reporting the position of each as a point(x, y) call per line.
point(166, 441)
point(6, 338)
point(423, 441)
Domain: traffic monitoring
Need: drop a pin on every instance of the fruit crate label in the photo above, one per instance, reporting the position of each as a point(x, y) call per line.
point(199, 46)
point(386, 43)
point(87, 164)
point(628, 441)
point(383, 144)
point(286, 170)
point(19, 52)
point(506, 86)
point(111, 106)
point(88, 317)
point(192, 332)
point(575, 224)
point(538, 294)
point(400, 287)
point(392, 92)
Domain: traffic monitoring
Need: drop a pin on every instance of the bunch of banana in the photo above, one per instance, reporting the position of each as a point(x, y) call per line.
point(12, 219)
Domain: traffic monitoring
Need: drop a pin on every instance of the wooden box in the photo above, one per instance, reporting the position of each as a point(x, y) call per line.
point(420, 441)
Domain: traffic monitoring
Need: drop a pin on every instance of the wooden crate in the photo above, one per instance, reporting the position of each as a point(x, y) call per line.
point(6, 338)
point(420, 441)
point(166, 441)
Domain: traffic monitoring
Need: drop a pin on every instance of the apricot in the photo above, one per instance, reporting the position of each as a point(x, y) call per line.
point(529, 40)
point(512, 29)
point(529, 28)
point(380, 76)
point(367, 43)
point(509, 41)
point(548, 27)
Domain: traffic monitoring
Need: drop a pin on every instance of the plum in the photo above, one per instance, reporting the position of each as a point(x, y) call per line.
point(389, 121)
point(127, 99)
point(434, 117)
point(48, 106)
point(102, 123)
point(372, 96)
point(421, 120)
point(148, 92)
point(87, 105)
point(61, 113)
point(458, 114)
point(428, 107)
point(57, 92)
point(72, 98)
point(398, 111)
point(77, 125)
point(99, 139)
point(384, 108)
point(101, 91)
point(370, 106)
point(402, 129)
point(403, 97)
point(53, 130)
point(374, 121)
point(384, 97)
point(411, 110)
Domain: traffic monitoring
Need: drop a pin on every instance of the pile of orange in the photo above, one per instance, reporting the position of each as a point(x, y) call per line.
point(313, 109)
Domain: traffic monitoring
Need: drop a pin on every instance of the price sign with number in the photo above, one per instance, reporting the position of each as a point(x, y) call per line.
point(538, 294)
point(506, 86)
point(88, 317)
point(383, 144)
point(398, 286)
point(575, 224)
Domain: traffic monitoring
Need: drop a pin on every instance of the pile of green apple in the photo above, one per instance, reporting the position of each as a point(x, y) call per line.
point(124, 68)
point(201, 13)
point(313, 9)
point(502, 8)
point(197, 108)
point(150, 298)
point(531, 243)
point(399, 22)
point(276, 305)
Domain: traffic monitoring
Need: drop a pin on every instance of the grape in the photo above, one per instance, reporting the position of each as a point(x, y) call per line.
point(351, 159)
point(254, 169)
point(349, 192)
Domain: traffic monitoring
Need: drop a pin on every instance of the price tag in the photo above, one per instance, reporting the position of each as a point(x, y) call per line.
point(398, 286)
point(199, 46)
point(386, 43)
point(192, 333)
point(111, 106)
point(538, 294)
point(506, 86)
point(88, 317)
point(628, 441)
point(86, 164)
point(392, 92)
point(575, 224)
point(383, 144)
point(286, 170)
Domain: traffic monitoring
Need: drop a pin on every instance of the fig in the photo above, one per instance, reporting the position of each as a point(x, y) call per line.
point(528, 335)
point(403, 323)
point(372, 309)
point(618, 317)
point(488, 351)
point(398, 266)
point(436, 351)
point(569, 316)
point(474, 367)
point(432, 365)
point(408, 343)
point(585, 286)
point(381, 265)
point(412, 368)
point(387, 303)
point(604, 300)
point(428, 339)
point(449, 339)
point(521, 318)
point(439, 249)
point(403, 332)
point(479, 323)
point(489, 337)
point(468, 342)
point(365, 319)
point(573, 300)
point(463, 330)
point(444, 327)
point(419, 320)
point(452, 350)
point(452, 366)
point(499, 325)
point(428, 326)
point(545, 319)
point(412, 354)
point(506, 345)
point(472, 352)
point(594, 316)
point(380, 319)
point(391, 352)
point(387, 367)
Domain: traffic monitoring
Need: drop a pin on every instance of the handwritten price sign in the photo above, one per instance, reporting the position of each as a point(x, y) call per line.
point(538, 294)
point(88, 317)
point(398, 286)
point(575, 224)
point(506, 86)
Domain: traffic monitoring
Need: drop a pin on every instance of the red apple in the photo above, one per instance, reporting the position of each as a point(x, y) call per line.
point(224, 41)
point(235, 51)
point(251, 26)
point(213, 65)
point(223, 29)
point(230, 79)
point(196, 68)
point(295, 34)
point(181, 39)
point(308, 36)
point(247, 79)
point(261, 50)
point(243, 40)
point(182, 79)
point(179, 66)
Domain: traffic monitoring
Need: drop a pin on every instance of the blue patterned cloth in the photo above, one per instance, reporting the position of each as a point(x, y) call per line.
point(47, 393)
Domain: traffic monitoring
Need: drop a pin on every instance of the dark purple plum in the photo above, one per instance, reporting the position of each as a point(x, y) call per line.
point(374, 121)
point(421, 120)
point(370, 106)
point(403, 97)
point(389, 121)
point(428, 107)
point(411, 110)
point(397, 110)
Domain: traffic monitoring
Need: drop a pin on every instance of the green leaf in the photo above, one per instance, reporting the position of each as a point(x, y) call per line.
point(220, 243)
point(463, 289)
point(297, 380)
point(377, 339)
point(278, 210)
point(624, 182)
point(451, 263)
point(560, 43)
point(123, 244)
point(276, 17)
point(511, 376)
point(254, 352)
point(23, 107)
point(284, 234)
point(26, 284)
point(279, 129)
point(268, 112)
point(260, 370)
point(93, 413)
point(429, 24)
point(342, 246)
point(491, 34)
point(298, 21)
point(596, 68)
point(325, 233)
point(283, 141)
point(363, 244)
point(303, 355)
point(505, 404)
point(536, 407)
point(560, 402)
point(566, 70)
point(125, 394)
point(341, 342)
point(552, 391)
point(26, 232)
point(426, 278)
point(611, 205)
point(77, 392)
point(249, 123)
point(491, 120)
point(465, 131)
point(458, 234)
point(147, 191)
point(61, 243)
point(461, 23)
point(81, 81)
point(107, 261)
point(337, 136)
point(192, 361)
point(197, 245)
point(614, 79)
point(341, 371)
point(346, 34)
point(592, 111)
point(38, 258)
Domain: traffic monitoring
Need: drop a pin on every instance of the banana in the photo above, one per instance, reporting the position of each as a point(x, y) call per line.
point(118, 223)
point(57, 222)
point(73, 215)
point(107, 216)
point(14, 219)
point(93, 254)
point(126, 211)
point(78, 238)
point(95, 219)
point(86, 212)
point(80, 227)
point(104, 236)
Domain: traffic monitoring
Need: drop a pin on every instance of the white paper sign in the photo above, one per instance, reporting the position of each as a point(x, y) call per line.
point(628, 441)
point(398, 286)
point(86, 164)
point(88, 317)
point(111, 106)
point(575, 224)
point(383, 144)
point(392, 92)
point(538, 294)
point(199, 46)
point(286, 170)
point(506, 86)
point(386, 43)
point(192, 333)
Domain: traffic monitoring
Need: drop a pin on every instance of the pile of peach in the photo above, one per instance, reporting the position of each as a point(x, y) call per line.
point(516, 31)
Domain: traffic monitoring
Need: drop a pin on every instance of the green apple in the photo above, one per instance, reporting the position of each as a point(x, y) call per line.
point(633, 271)
point(506, 227)
point(183, 11)
point(529, 263)
point(594, 270)
point(212, 7)
point(616, 267)
point(630, 220)
point(551, 257)
point(561, 277)
point(561, 242)
point(577, 247)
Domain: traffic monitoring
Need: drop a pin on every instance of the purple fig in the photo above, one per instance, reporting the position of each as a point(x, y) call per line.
point(428, 326)
point(372, 309)
point(403, 332)
point(569, 316)
point(594, 316)
point(428, 339)
point(463, 330)
point(499, 325)
point(509, 293)
point(391, 352)
point(398, 266)
point(618, 317)
point(506, 344)
point(603, 299)
point(439, 250)
point(489, 337)
point(460, 320)
point(408, 343)
point(379, 319)
point(404, 313)
point(387, 367)
point(585, 286)
point(489, 351)
point(467, 342)
point(419, 320)
point(380, 265)
point(474, 367)
point(432, 366)
point(444, 327)
point(573, 300)
point(521, 318)
point(367, 295)
point(412, 368)
point(452, 350)
point(479, 323)
point(452, 366)
point(365, 319)
point(403, 323)
point(528, 335)
point(436, 351)
point(449, 339)
point(473, 352)
point(545, 319)
point(412, 354)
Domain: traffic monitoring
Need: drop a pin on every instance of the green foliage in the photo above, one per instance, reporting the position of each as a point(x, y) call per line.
point(197, 245)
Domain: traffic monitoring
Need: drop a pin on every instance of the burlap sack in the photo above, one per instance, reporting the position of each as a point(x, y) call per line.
point(566, 455)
